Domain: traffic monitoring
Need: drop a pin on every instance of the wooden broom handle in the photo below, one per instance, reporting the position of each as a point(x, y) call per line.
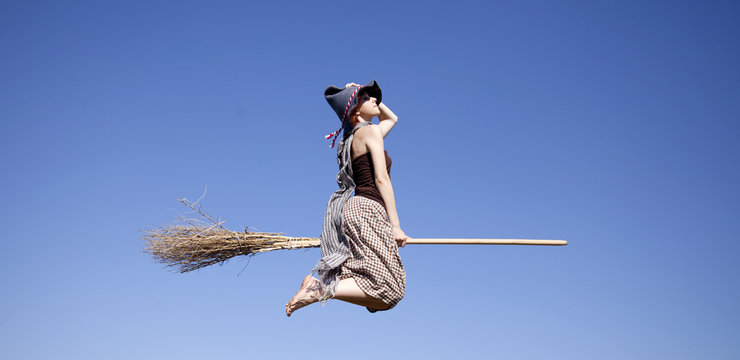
point(488, 241)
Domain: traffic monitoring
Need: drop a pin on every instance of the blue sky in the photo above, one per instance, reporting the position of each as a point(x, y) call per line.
point(612, 125)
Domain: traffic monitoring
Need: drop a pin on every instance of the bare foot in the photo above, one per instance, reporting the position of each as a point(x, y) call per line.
point(308, 294)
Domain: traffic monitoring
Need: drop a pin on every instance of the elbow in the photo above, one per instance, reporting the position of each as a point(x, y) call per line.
point(382, 181)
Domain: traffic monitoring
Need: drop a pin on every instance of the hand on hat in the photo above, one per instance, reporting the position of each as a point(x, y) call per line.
point(352, 84)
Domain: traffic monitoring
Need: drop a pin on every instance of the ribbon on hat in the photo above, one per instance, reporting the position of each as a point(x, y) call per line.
point(333, 135)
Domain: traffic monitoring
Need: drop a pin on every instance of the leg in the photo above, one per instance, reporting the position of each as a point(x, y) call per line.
point(349, 291)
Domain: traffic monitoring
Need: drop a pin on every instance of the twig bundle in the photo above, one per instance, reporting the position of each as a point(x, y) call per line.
point(190, 247)
point(191, 244)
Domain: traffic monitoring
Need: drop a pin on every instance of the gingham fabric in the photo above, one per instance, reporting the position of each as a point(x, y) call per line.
point(334, 246)
point(374, 264)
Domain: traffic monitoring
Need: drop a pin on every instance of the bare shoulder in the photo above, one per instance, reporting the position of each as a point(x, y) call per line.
point(366, 139)
point(369, 132)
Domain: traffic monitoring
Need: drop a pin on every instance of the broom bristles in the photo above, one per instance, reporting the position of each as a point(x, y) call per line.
point(190, 244)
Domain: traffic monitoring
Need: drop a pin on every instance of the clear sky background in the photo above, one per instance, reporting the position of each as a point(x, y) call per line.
point(613, 125)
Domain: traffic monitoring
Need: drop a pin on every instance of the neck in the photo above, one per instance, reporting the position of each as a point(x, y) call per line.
point(348, 127)
point(362, 119)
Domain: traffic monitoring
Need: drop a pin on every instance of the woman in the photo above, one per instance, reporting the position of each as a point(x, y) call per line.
point(361, 235)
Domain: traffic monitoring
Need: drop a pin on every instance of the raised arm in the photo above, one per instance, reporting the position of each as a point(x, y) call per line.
point(374, 143)
point(387, 119)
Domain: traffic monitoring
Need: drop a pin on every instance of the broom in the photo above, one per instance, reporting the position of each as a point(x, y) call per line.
point(191, 244)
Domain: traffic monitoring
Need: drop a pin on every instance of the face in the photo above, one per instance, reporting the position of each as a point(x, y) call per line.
point(369, 108)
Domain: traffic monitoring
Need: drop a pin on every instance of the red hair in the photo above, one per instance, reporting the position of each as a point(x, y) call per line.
point(353, 119)
point(354, 112)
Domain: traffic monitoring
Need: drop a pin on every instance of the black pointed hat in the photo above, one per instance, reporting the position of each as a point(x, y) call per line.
point(342, 99)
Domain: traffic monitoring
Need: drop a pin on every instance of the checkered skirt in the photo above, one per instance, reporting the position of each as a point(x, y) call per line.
point(374, 264)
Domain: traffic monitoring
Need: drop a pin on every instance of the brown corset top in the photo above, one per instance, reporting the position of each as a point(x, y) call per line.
point(363, 173)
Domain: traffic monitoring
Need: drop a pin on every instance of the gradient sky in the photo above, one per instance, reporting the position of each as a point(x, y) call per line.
point(612, 125)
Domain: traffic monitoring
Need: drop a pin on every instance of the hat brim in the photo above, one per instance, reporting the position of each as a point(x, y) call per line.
point(373, 90)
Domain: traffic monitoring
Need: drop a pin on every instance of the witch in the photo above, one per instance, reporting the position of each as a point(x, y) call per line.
point(361, 234)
